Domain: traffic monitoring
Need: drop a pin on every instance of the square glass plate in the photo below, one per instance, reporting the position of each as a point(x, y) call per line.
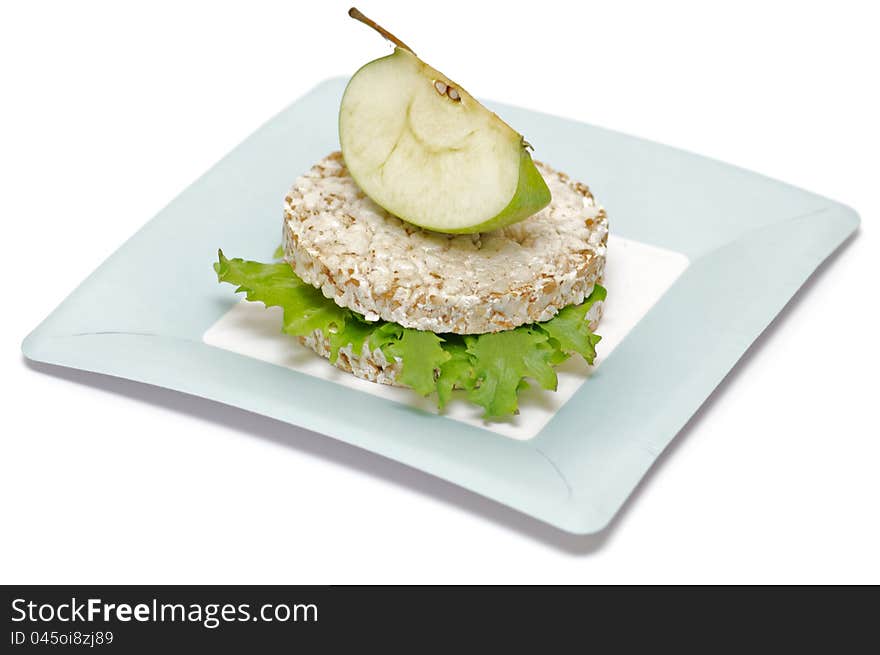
point(735, 246)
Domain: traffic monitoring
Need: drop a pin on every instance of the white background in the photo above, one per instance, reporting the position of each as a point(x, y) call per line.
point(110, 109)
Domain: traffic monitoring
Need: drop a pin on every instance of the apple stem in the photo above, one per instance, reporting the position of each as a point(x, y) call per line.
point(357, 15)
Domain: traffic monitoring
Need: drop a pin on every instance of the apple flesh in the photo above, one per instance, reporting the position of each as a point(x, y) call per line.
point(425, 150)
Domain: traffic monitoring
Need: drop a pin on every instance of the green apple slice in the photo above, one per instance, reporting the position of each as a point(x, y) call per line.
point(424, 149)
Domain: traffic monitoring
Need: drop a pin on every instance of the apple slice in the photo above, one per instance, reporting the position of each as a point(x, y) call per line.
point(424, 149)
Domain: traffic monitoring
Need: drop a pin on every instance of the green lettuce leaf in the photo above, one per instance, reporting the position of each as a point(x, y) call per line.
point(457, 372)
point(354, 333)
point(305, 307)
point(570, 329)
point(421, 355)
point(491, 368)
point(501, 361)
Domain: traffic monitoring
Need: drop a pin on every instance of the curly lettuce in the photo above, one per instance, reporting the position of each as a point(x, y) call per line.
point(491, 369)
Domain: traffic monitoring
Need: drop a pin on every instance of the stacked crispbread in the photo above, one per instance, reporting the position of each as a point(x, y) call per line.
point(368, 261)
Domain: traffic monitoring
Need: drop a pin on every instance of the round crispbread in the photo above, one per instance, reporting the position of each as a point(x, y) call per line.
point(371, 262)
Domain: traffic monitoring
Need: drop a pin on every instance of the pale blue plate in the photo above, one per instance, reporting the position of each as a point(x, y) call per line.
point(751, 241)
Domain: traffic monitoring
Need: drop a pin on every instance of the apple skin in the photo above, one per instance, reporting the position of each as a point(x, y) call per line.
point(531, 193)
point(530, 197)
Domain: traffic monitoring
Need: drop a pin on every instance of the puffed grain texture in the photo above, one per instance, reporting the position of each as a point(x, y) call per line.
point(371, 262)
